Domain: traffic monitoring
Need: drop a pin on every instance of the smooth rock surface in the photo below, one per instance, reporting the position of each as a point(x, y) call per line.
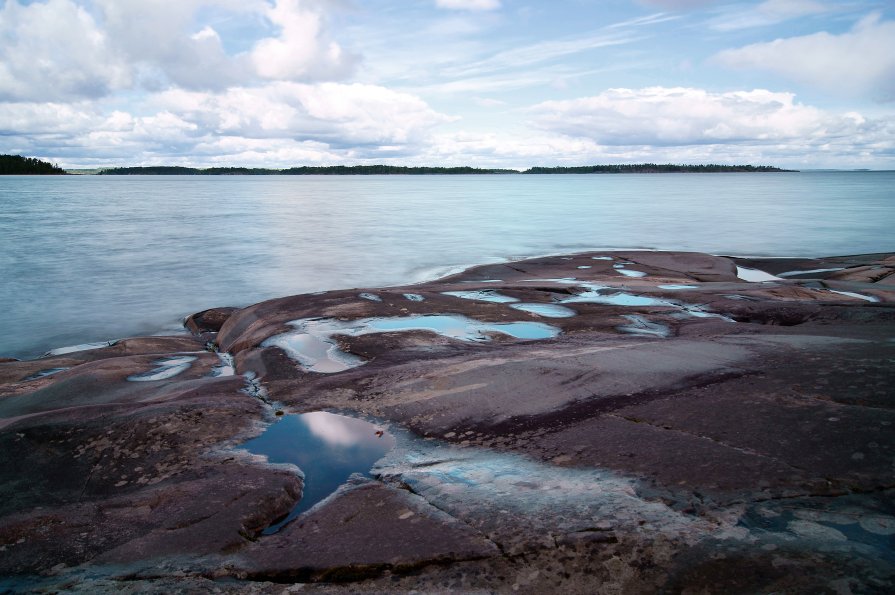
point(752, 449)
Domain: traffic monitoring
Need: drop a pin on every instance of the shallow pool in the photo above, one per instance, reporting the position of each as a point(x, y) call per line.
point(327, 447)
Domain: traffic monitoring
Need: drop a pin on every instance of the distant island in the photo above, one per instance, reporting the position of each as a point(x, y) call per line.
point(368, 170)
point(17, 165)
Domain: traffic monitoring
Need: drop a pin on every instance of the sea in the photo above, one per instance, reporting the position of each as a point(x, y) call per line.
point(97, 258)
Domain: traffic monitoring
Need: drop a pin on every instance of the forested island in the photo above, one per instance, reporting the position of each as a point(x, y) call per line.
point(18, 165)
point(367, 170)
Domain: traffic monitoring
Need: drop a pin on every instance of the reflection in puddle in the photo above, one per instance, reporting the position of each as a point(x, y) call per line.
point(546, 310)
point(860, 296)
point(314, 347)
point(44, 373)
point(327, 448)
point(595, 296)
point(81, 347)
point(166, 368)
point(678, 287)
point(629, 273)
point(482, 295)
point(369, 296)
point(601, 257)
point(585, 267)
point(641, 326)
point(226, 367)
point(755, 275)
point(811, 272)
point(615, 299)
point(414, 297)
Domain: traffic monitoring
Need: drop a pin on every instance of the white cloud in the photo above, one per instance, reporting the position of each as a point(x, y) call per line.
point(856, 63)
point(334, 113)
point(678, 116)
point(686, 124)
point(302, 50)
point(769, 12)
point(474, 5)
point(58, 49)
point(55, 50)
point(677, 4)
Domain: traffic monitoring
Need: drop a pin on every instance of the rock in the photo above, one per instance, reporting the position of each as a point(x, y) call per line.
point(752, 455)
point(208, 321)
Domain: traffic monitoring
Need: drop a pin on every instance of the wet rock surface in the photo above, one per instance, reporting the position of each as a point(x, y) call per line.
point(686, 431)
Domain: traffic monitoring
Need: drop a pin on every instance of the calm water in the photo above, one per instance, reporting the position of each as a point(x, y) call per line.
point(327, 447)
point(86, 258)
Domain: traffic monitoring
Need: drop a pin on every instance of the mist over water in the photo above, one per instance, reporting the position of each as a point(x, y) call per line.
point(91, 258)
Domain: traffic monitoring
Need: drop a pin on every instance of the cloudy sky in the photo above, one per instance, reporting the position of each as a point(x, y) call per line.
point(488, 83)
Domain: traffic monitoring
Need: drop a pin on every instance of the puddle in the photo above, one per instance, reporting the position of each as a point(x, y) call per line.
point(755, 275)
point(369, 296)
point(546, 310)
point(620, 298)
point(314, 347)
point(615, 299)
point(482, 295)
point(460, 327)
point(486, 489)
point(166, 368)
point(678, 286)
point(226, 367)
point(811, 272)
point(414, 297)
point(328, 448)
point(81, 347)
point(601, 257)
point(747, 298)
point(585, 267)
point(629, 273)
point(860, 296)
point(641, 326)
point(254, 388)
point(44, 373)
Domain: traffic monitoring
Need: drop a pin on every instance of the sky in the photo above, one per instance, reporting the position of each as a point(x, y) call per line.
point(487, 83)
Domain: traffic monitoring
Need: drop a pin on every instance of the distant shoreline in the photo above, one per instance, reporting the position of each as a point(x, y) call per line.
point(361, 170)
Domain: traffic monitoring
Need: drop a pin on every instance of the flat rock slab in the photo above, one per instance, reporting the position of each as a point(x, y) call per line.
point(361, 531)
point(748, 446)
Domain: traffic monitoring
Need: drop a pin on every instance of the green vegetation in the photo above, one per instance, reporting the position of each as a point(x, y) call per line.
point(329, 170)
point(652, 168)
point(18, 165)
point(367, 170)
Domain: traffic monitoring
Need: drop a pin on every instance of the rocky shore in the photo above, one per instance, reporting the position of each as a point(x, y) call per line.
point(613, 422)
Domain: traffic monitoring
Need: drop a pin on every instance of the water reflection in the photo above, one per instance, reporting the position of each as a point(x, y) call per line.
point(328, 448)
point(315, 349)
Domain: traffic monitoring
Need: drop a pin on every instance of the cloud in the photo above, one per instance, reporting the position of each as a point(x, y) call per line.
point(334, 113)
point(302, 50)
point(858, 62)
point(271, 125)
point(694, 124)
point(769, 12)
point(57, 49)
point(678, 116)
point(677, 4)
point(474, 5)
point(53, 51)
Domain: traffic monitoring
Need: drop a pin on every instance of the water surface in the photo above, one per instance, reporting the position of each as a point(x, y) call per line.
point(95, 258)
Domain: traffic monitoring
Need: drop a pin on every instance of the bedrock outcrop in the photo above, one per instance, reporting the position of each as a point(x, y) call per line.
point(616, 422)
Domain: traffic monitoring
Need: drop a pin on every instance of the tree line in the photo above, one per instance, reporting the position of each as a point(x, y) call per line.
point(366, 170)
point(18, 165)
